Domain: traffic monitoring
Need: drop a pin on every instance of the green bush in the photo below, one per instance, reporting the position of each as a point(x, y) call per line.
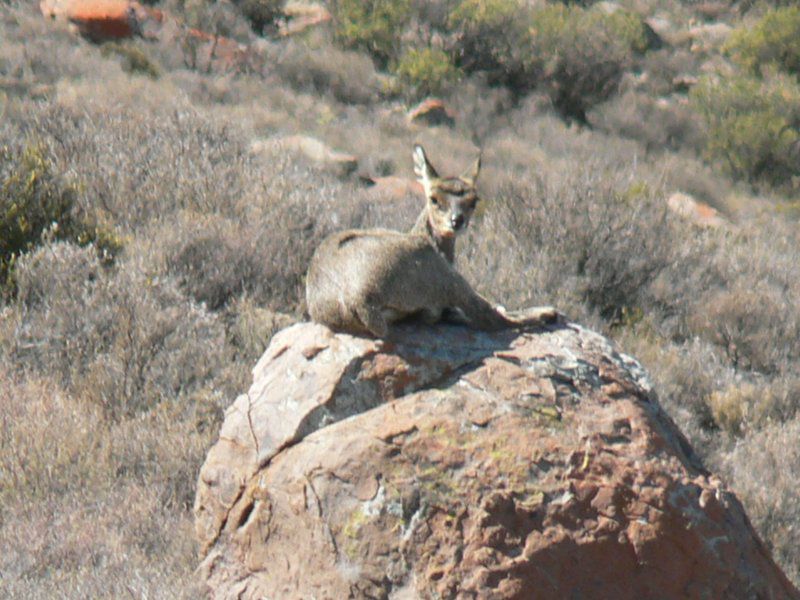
point(493, 36)
point(773, 42)
point(33, 200)
point(425, 72)
point(372, 25)
point(581, 54)
point(753, 126)
point(577, 55)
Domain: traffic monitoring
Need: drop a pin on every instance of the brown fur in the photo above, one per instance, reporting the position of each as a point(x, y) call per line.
point(360, 281)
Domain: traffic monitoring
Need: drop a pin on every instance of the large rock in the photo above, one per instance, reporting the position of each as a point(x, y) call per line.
point(447, 463)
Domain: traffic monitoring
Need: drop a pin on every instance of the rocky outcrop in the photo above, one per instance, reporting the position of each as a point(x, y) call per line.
point(448, 463)
point(696, 212)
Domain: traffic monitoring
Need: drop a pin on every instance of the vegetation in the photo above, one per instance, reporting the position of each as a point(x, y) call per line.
point(582, 53)
point(35, 205)
point(753, 125)
point(134, 58)
point(372, 25)
point(426, 72)
point(774, 42)
point(182, 235)
point(577, 55)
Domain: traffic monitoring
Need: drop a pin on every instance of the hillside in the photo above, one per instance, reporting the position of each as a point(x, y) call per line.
point(160, 196)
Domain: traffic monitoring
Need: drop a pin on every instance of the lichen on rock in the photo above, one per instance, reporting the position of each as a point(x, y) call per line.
point(445, 463)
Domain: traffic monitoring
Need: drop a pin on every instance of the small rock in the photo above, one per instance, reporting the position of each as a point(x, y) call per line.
point(431, 112)
point(316, 151)
point(393, 187)
point(698, 213)
point(708, 37)
point(301, 16)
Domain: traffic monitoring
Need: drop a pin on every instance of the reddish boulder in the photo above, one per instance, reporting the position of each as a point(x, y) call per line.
point(431, 112)
point(448, 463)
point(98, 20)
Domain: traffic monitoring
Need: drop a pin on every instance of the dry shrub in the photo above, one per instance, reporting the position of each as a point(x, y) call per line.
point(586, 242)
point(750, 406)
point(763, 469)
point(118, 337)
point(753, 320)
point(685, 375)
point(658, 123)
point(252, 328)
point(36, 203)
point(136, 165)
point(318, 66)
point(92, 508)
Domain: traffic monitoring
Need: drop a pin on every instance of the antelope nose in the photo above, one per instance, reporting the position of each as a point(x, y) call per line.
point(457, 221)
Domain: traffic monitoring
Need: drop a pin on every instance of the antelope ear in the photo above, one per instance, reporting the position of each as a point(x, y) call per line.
point(422, 166)
point(471, 174)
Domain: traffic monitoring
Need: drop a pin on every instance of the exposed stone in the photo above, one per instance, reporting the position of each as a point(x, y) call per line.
point(449, 463)
point(393, 187)
point(215, 53)
point(98, 20)
point(709, 36)
point(663, 28)
point(301, 16)
point(431, 112)
point(713, 10)
point(699, 213)
point(316, 151)
point(104, 20)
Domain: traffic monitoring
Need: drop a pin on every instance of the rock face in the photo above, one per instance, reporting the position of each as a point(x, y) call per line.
point(448, 463)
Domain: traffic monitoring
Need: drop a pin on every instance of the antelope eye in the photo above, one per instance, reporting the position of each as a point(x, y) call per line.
point(434, 201)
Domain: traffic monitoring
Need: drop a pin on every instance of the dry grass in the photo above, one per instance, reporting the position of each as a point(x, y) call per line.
point(115, 372)
point(93, 508)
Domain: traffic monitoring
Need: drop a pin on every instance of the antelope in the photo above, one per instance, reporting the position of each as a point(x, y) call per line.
point(361, 281)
